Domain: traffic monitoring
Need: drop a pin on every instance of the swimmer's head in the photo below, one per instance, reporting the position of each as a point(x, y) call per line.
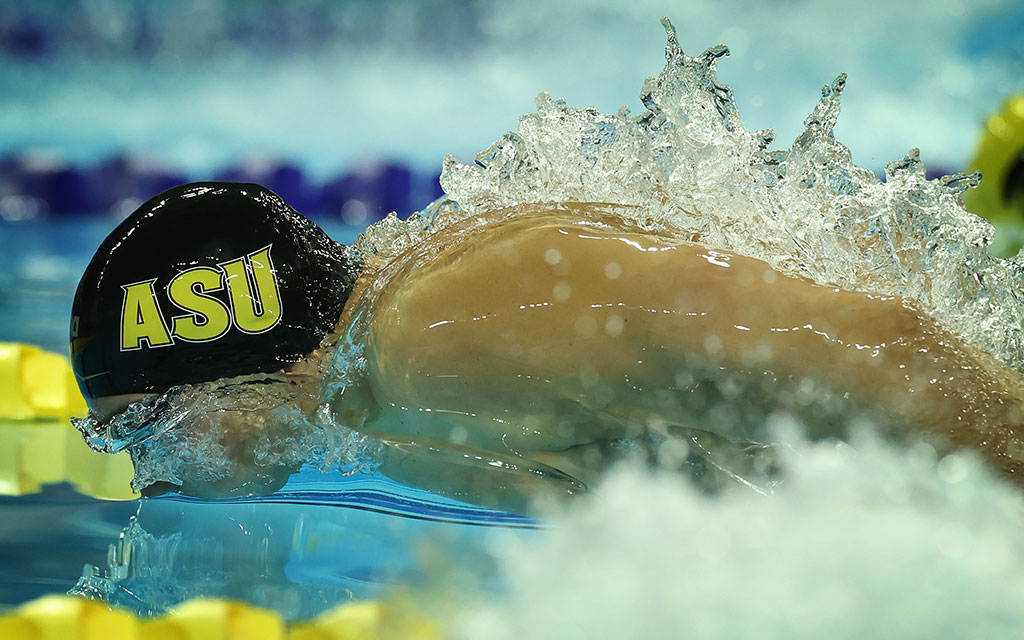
point(205, 281)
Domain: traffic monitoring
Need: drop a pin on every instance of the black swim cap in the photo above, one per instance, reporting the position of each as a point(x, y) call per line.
point(205, 281)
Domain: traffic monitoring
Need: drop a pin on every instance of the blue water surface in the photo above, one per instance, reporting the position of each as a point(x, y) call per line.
point(322, 539)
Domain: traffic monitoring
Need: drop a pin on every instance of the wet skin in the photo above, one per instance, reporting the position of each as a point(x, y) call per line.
point(562, 329)
point(497, 365)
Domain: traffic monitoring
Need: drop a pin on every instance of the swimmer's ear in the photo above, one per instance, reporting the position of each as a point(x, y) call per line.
point(205, 281)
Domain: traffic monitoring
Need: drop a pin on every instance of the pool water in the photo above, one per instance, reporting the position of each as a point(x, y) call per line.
point(321, 540)
point(50, 535)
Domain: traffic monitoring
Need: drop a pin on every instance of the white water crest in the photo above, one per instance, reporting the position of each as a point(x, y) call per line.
point(868, 541)
point(687, 165)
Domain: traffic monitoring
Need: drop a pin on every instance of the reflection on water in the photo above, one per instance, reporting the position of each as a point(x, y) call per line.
point(47, 537)
point(321, 540)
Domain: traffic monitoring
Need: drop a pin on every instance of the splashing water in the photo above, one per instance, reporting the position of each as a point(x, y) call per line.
point(859, 542)
point(686, 165)
point(208, 432)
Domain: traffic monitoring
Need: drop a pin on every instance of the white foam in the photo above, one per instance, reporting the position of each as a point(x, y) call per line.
point(857, 542)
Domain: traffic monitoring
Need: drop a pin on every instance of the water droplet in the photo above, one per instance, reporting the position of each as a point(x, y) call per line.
point(612, 270)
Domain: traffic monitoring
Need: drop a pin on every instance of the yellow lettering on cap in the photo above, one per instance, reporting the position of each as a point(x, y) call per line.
point(141, 318)
point(255, 299)
point(208, 317)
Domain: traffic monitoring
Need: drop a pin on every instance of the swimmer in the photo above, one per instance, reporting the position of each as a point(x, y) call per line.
point(503, 357)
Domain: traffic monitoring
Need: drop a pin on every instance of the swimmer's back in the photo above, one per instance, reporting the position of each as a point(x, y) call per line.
point(554, 308)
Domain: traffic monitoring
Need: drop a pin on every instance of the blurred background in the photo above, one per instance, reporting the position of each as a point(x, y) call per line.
point(347, 108)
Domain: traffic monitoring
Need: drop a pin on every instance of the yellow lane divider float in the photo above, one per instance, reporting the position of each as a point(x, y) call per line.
point(70, 618)
point(1000, 158)
point(38, 445)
